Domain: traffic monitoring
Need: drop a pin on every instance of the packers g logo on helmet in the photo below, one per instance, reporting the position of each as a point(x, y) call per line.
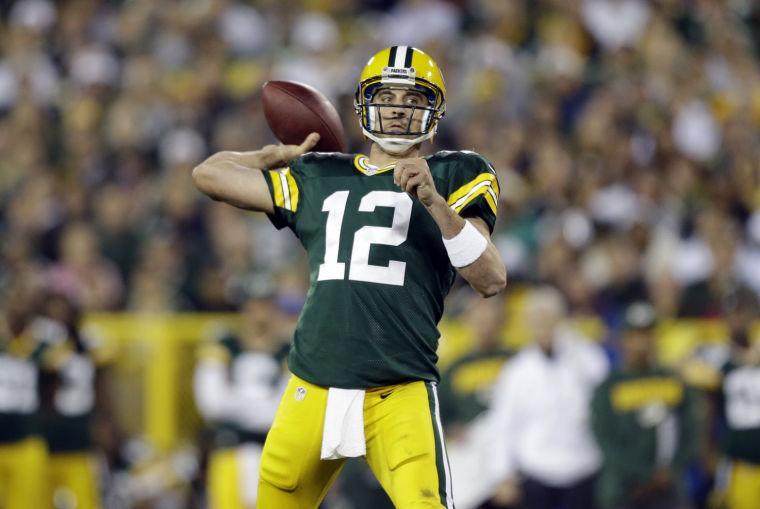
point(400, 67)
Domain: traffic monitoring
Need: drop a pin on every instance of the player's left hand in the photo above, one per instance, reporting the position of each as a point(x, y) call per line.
point(413, 176)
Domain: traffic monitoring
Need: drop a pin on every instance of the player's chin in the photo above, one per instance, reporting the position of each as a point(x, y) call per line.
point(397, 133)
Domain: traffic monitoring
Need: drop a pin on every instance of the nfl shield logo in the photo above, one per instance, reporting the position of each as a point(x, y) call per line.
point(300, 393)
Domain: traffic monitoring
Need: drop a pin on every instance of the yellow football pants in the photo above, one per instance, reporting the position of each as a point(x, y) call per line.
point(743, 491)
point(22, 474)
point(405, 448)
point(73, 480)
point(231, 476)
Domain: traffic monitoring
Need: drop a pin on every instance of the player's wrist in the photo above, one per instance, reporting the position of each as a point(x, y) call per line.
point(436, 201)
point(466, 246)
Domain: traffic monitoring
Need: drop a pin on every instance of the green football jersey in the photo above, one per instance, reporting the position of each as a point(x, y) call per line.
point(467, 385)
point(642, 421)
point(67, 421)
point(21, 359)
point(740, 406)
point(248, 371)
point(379, 272)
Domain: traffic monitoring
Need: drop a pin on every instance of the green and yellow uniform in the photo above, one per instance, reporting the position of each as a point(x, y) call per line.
point(740, 441)
point(379, 274)
point(67, 424)
point(378, 270)
point(22, 450)
point(237, 391)
point(643, 421)
point(467, 385)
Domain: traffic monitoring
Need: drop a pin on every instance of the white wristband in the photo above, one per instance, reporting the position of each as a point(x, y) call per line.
point(466, 246)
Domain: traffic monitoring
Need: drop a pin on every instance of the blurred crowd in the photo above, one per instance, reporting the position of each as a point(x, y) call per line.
point(624, 134)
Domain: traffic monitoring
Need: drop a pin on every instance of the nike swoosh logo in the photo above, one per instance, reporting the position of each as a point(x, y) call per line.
point(383, 396)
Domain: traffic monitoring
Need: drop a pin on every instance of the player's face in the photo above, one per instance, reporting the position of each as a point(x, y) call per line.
point(400, 110)
point(638, 347)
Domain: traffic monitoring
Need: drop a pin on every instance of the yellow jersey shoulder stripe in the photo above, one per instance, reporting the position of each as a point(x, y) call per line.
point(484, 185)
point(285, 189)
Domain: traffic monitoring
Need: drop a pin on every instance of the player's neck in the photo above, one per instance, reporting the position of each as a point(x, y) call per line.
point(380, 158)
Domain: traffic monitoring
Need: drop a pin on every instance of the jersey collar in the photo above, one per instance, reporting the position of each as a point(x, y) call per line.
point(361, 163)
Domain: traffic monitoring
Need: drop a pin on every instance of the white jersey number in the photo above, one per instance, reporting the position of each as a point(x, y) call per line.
point(18, 385)
point(360, 269)
point(76, 395)
point(742, 392)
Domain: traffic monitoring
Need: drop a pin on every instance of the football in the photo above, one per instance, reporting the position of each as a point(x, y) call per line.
point(293, 110)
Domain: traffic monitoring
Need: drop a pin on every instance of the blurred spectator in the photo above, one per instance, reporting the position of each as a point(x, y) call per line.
point(466, 389)
point(606, 118)
point(467, 393)
point(645, 420)
point(238, 382)
point(543, 451)
point(84, 271)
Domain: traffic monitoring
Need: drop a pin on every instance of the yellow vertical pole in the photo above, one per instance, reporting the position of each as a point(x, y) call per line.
point(161, 384)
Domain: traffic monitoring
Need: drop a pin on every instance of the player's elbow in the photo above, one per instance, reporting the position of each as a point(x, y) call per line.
point(492, 289)
point(205, 178)
point(494, 284)
point(200, 176)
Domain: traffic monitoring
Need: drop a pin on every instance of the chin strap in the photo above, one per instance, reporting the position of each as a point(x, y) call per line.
point(398, 146)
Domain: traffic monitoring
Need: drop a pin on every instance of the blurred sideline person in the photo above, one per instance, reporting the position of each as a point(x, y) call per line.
point(644, 418)
point(544, 452)
point(467, 384)
point(467, 393)
point(238, 382)
point(72, 392)
point(27, 344)
point(739, 405)
point(385, 235)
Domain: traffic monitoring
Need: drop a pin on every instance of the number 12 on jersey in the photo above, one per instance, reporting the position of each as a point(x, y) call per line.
point(360, 269)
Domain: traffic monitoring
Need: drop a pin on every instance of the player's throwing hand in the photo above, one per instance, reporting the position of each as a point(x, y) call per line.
point(413, 176)
point(275, 156)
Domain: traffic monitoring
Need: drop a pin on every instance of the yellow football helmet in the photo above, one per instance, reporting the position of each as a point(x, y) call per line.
point(400, 67)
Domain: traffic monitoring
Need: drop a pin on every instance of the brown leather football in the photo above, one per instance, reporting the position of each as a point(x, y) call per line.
point(293, 110)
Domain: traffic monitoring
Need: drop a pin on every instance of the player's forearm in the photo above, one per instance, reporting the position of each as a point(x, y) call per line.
point(447, 220)
point(235, 178)
point(487, 274)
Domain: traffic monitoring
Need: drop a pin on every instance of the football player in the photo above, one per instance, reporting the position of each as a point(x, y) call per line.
point(646, 422)
point(72, 389)
point(467, 384)
point(385, 234)
point(739, 404)
point(238, 381)
point(28, 344)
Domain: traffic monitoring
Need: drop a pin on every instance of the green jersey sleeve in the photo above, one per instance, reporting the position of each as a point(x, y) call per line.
point(471, 187)
point(285, 186)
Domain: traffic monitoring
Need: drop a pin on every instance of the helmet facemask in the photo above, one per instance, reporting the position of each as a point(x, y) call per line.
point(369, 112)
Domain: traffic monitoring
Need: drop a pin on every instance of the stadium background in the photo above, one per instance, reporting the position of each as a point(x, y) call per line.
point(625, 136)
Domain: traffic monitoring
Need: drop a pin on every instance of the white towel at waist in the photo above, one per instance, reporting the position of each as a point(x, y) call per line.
point(343, 435)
